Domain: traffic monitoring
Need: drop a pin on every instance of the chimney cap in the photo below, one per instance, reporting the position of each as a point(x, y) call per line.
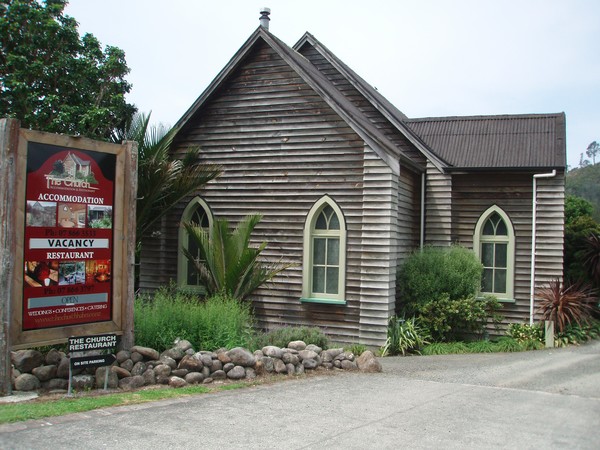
point(264, 17)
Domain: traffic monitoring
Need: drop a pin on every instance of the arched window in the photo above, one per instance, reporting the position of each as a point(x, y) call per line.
point(324, 268)
point(494, 244)
point(197, 212)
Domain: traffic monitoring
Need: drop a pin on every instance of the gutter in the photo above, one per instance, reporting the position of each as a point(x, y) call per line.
point(533, 239)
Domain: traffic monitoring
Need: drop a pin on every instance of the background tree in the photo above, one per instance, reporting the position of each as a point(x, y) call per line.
point(592, 150)
point(579, 226)
point(53, 80)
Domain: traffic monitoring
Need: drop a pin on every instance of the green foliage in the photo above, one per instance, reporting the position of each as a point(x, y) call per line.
point(217, 322)
point(445, 348)
point(281, 337)
point(583, 182)
point(430, 274)
point(565, 304)
point(508, 344)
point(356, 349)
point(522, 332)
point(226, 264)
point(105, 222)
point(503, 345)
point(163, 181)
point(574, 334)
point(404, 336)
point(579, 226)
point(55, 81)
point(447, 319)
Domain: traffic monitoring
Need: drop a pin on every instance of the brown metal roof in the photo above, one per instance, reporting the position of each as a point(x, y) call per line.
point(496, 142)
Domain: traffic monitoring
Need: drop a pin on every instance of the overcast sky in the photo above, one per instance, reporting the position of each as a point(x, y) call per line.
point(428, 57)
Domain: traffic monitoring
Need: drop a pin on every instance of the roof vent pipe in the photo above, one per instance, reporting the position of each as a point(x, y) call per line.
point(264, 17)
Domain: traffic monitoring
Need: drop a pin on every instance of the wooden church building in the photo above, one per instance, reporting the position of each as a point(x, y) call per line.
point(349, 186)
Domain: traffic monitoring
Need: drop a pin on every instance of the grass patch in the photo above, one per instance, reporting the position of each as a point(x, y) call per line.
point(41, 408)
point(502, 345)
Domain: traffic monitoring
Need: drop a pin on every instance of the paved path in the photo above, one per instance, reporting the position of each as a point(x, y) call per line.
point(544, 399)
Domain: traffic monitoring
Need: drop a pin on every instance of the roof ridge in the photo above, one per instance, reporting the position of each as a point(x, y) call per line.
point(485, 117)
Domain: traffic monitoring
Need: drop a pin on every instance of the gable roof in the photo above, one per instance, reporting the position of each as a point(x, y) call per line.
point(525, 141)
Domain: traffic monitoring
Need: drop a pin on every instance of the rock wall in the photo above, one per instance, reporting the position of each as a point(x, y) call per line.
point(179, 366)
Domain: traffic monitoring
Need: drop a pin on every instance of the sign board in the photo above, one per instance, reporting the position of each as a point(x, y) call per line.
point(98, 342)
point(73, 228)
point(92, 361)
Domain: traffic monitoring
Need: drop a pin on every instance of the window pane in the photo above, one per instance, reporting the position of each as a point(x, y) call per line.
point(488, 228)
point(321, 222)
point(319, 251)
point(192, 275)
point(501, 257)
point(501, 229)
point(200, 218)
point(487, 279)
point(500, 281)
point(333, 251)
point(318, 279)
point(332, 280)
point(334, 223)
point(487, 254)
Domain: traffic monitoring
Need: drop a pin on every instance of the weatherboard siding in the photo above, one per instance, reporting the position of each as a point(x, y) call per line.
point(438, 207)
point(281, 149)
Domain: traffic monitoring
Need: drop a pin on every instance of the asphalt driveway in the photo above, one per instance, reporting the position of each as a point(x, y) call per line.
point(543, 399)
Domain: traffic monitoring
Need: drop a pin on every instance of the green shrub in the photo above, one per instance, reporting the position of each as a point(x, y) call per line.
point(448, 320)
point(281, 337)
point(524, 332)
point(216, 322)
point(445, 348)
point(433, 273)
point(404, 336)
point(574, 334)
point(508, 344)
point(357, 349)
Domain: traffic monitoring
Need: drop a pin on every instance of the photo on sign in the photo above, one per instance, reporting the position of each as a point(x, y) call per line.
point(99, 216)
point(97, 271)
point(41, 214)
point(41, 273)
point(71, 215)
point(72, 272)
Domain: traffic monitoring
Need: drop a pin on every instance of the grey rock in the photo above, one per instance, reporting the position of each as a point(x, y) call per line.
point(299, 369)
point(191, 364)
point(327, 365)
point(258, 354)
point(337, 363)
point(309, 363)
point(162, 370)
point(45, 373)
point(53, 357)
point(27, 382)
point(190, 351)
point(123, 355)
point(297, 345)
point(223, 357)
point(56, 384)
point(349, 365)
point(168, 361)
point(181, 373)
point(250, 373)
point(268, 364)
point(314, 348)
point(83, 382)
point(113, 379)
point(121, 373)
point(290, 358)
point(280, 366)
point(333, 352)
point(206, 371)
point(146, 352)
point(194, 378)
point(177, 382)
point(174, 353)
point(237, 373)
point(149, 377)
point(227, 367)
point(183, 344)
point(367, 362)
point(131, 383)
point(63, 368)
point(291, 368)
point(26, 360)
point(241, 357)
point(207, 380)
point(216, 365)
point(307, 354)
point(272, 351)
point(137, 357)
point(218, 375)
point(127, 365)
point(138, 368)
point(207, 359)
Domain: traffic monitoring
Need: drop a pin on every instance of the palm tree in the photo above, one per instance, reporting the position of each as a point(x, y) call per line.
point(225, 262)
point(163, 181)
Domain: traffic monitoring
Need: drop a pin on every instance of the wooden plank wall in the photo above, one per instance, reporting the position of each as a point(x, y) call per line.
point(282, 148)
point(473, 194)
point(438, 207)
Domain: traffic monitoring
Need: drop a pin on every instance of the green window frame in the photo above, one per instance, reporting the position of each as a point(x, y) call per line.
point(324, 254)
point(494, 245)
point(198, 212)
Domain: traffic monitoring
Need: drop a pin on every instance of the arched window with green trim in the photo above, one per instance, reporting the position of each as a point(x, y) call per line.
point(197, 212)
point(494, 244)
point(324, 268)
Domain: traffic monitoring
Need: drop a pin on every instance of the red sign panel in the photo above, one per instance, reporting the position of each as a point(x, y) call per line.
point(68, 249)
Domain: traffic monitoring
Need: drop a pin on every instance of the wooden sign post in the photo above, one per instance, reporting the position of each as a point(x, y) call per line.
point(68, 239)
